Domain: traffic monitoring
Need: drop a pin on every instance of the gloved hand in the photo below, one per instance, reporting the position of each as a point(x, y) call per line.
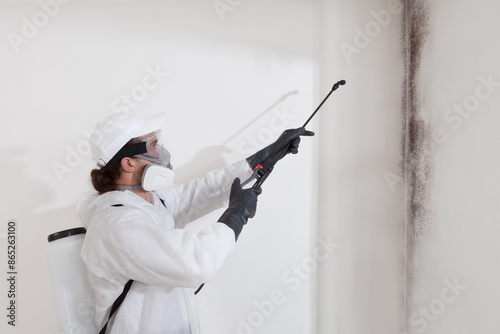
point(242, 205)
point(288, 142)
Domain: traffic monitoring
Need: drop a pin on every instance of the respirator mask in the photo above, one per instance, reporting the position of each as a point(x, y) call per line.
point(158, 174)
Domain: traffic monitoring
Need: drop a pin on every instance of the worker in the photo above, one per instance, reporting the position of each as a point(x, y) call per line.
point(136, 246)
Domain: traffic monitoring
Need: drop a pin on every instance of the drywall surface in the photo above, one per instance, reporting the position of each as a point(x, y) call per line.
point(230, 78)
point(387, 221)
point(452, 254)
point(420, 113)
point(361, 197)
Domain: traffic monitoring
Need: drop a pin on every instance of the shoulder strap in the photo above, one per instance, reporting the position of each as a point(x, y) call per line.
point(161, 200)
point(198, 290)
point(117, 304)
point(126, 288)
point(120, 298)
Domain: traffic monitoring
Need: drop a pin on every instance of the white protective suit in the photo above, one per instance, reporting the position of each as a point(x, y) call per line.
point(148, 243)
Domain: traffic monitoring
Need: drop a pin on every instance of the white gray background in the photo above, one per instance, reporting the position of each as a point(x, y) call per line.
point(248, 70)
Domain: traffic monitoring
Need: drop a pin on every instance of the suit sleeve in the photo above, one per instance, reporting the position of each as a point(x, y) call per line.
point(131, 246)
point(204, 195)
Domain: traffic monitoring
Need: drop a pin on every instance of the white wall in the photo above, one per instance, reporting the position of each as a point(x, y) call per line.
point(256, 61)
point(361, 206)
point(456, 254)
point(335, 231)
point(419, 254)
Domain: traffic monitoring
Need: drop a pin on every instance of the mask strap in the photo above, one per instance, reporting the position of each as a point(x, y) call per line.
point(128, 151)
point(153, 160)
point(124, 187)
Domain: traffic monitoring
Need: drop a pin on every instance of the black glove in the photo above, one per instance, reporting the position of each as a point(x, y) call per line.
point(288, 142)
point(242, 205)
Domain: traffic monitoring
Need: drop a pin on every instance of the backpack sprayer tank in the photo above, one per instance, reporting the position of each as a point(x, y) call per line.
point(72, 292)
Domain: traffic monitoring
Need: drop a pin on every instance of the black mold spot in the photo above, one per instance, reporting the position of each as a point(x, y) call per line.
point(416, 162)
point(417, 134)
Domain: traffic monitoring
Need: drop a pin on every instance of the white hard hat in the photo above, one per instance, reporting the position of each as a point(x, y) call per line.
point(112, 133)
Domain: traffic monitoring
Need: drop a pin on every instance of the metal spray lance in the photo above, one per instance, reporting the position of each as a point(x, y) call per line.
point(260, 174)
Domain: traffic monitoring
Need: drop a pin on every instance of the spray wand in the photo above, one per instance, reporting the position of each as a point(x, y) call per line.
point(260, 174)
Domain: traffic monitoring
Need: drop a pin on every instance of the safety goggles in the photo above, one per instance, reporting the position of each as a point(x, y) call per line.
point(148, 148)
point(155, 152)
point(153, 146)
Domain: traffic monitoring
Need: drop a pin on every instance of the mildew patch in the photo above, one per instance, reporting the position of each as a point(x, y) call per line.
point(417, 157)
point(416, 161)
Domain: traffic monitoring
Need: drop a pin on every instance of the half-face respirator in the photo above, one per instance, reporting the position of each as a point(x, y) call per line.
point(158, 174)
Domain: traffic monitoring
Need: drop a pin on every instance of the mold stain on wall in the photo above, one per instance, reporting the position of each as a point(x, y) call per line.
point(416, 159)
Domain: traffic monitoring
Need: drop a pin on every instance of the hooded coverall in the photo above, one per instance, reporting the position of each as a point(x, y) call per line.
point(130, 238)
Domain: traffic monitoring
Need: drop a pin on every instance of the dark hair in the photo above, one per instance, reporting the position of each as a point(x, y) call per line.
point(103, 179)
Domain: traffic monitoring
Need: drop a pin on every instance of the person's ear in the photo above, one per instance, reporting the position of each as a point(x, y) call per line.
point(128, 164)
